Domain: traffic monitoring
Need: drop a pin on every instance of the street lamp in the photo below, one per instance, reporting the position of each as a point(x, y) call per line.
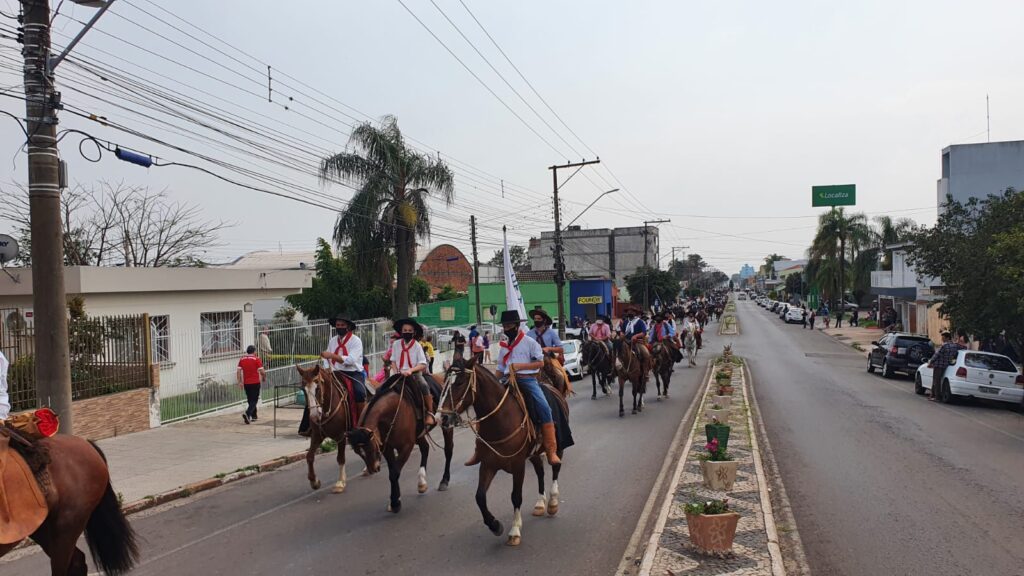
point(603, 194)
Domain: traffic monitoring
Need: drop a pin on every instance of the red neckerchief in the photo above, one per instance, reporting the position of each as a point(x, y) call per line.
point(657, 331)
point(512, 346)
point(405, 357)
point(342, 345)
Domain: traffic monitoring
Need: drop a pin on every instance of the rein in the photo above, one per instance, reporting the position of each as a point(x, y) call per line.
point(474, 424)
point(330, 412)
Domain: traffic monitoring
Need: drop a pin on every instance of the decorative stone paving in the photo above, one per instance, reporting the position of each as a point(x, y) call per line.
point(675, 555)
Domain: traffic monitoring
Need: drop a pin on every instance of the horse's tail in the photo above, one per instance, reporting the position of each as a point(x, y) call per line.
point(110, 537)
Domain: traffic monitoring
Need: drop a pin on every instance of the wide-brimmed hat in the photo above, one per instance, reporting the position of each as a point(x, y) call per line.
point(606, 319)
point(631, 310)
point(510, 317)
point(418, 330)
point(540, 312)
point(340, 317)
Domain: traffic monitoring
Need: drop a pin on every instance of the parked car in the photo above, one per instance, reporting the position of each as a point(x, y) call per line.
point(899, 352)
point(781, 312)
point(443, 337)
point(573, 364)
point(574, 333)
point(978, 374)
point(795, 314)
point(741, 296)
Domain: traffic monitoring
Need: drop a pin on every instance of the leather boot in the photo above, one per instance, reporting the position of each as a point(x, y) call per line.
point(550, 444)
point(428, 416)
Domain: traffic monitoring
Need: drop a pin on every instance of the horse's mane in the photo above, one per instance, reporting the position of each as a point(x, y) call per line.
point(36, 454)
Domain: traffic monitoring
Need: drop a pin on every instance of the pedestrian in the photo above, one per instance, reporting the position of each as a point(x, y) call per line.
point(250, 375)
point(476, 344)
point(412, 362)
point(839, 318)
point(803, 317)
point(810, 320)
point(428, 349)
point(854, 320)
point(487, 347)
point(265, 347)
point(344, 357)
point(458, 344)
point(942, 359)
point(824, 317)
point(5, 400)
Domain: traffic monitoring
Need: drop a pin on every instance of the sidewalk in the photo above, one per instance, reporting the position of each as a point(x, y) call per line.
point(863, 337)
point(156, 461)
point(755, 549)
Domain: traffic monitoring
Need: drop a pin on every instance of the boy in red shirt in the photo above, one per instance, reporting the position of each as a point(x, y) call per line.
point(250, 375)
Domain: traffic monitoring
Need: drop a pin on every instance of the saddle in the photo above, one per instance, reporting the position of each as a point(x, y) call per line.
point(395, 383)
point(22, 504)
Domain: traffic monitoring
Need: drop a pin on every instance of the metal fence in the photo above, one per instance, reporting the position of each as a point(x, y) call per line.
point(107, 353)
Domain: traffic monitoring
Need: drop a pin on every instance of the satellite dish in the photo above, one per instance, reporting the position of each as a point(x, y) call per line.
point(8, 249)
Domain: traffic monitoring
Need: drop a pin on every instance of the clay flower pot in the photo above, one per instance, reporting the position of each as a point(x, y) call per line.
point(724, 390)
point(719, 475)
point(712, 533)
point(723, 401)
point(722, 415)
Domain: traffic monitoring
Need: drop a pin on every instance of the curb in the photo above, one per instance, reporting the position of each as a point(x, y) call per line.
point(774, 550)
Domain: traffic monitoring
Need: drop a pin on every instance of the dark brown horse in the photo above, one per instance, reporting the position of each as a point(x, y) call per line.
point(663, 363)
point(601, 362)
point(388, 429)
point(80, 499)
point(635, 366)
point(505, 440)
point(330, 416)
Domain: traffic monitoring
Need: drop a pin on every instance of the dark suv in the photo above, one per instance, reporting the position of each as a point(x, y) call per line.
point(900, 352)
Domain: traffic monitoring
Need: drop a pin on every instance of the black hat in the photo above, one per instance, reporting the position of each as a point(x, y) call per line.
point(343, 318)
point(510, 317)
point(418, 330)
point(540, 312)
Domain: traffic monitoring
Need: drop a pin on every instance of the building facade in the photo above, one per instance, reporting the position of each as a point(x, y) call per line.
point(977, 170)
point(914, 297)
point(446, 265)
point(599, 253)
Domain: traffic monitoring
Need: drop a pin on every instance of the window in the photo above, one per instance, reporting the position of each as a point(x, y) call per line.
point(221, 332)
point(160, 338)
point(989, 362)
point(447, 314)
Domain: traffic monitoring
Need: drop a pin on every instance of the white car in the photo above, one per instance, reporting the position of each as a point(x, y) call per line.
point(573, 363)
point(978, 374)
point(795, 314)
point(742, 296)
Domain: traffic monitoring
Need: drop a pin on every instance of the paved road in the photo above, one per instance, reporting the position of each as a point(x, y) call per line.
point(883, 481)
point(273, 523)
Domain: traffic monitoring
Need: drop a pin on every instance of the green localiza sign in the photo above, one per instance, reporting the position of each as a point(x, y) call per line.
point(837, 195)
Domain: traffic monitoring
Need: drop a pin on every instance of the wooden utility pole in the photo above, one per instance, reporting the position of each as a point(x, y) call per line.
point(52, 364)
point(476, 269)
point(559, 258)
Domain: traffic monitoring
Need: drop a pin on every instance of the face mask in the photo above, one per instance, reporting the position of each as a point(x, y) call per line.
point(341, 331)
point(600, 322)
point(512, 333)
point(538, 326)
point(407, 337)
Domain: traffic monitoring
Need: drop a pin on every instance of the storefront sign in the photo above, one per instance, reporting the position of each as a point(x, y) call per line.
point(589, 300)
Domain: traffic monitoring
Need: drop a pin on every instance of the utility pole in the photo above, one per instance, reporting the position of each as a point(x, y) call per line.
point(52, 365)
point(559, 258)
point(647, 274)
point(476, 269)
point(683, 250)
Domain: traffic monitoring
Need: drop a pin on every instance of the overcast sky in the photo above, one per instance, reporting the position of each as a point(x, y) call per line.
point(719, 115)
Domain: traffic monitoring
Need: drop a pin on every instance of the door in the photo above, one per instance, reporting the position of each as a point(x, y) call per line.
point(878, 352)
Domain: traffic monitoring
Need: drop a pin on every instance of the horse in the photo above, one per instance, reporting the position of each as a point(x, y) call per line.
point(690, 343)
point(636, 364)
point(601, 362)
point(663, 362)
point(79, 498)
point(331, 416)
point(506, 438)
point(388, 429)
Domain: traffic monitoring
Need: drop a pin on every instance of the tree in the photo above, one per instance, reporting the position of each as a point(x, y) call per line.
point(768, 269)
point(889, 231)
point(794, 284)
point(688, 269)
point(840, 238)
point(977, 249)
point(516, 253)
point(447, 293)
point(390, 207)
point(659, 284)
point(419, 290)
point(285, 315)
point(116, 224)
point(335, 288)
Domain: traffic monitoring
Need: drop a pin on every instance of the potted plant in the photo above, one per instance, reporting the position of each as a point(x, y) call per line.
point(718, 468)
point(716, 411)
point(716, 430)
point(712, 526)
point(724, 389)
point(723, 400)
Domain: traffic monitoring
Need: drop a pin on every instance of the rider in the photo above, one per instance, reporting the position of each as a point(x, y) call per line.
point(412, 361)
point(600, 331)
point(548, 339)
point(344, 355)
point(524, 357)
point(633, 328)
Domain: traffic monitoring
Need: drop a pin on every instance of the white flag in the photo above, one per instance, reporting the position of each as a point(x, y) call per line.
point(513, 297)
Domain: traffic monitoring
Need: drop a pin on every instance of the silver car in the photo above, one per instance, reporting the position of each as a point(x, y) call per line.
point(573, 365)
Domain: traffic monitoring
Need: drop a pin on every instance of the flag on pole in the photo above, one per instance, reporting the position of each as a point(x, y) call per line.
point(513, 297)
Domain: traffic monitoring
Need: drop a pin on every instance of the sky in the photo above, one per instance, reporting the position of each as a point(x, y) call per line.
point(719, 116)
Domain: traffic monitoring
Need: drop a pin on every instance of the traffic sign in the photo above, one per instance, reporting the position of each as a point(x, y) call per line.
point(837, 195)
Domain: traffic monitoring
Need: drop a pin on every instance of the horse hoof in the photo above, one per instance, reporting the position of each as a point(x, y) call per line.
point(443, 487)
point(338, 488)
point(395, 508)
point(634, 411)
point(421, 488)
point(315, 484)
point(593, 397)
point(552, 509)
point(622, 413)
point(659, 398)
point(365, 473)
point(498, 529)
point(538, 510)
point(514, 540)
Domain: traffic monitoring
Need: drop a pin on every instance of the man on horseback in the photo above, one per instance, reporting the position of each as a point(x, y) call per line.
point(601, 331)
point(524, 356)
point(548, 339)
point(633, 329)
point(412, 362)
point(344, 356)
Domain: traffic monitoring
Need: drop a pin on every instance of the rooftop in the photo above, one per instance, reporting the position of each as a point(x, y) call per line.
point(270, 260)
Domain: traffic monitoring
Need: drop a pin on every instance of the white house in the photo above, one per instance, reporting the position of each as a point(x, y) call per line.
point(265, 260)
point(913, 296)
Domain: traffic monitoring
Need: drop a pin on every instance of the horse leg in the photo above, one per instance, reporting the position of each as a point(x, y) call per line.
point(395, 462)
point(553, 498)
point(421, 478)
point(486, 476)
point(657, 383)
point(636, 392)
point(538, 467)
point(339, 486)
point(58, 542)
point(622, 387)
point(666, 378)
point(593, 383)
point(449, 448)
point(314, 445)
point(515, 535)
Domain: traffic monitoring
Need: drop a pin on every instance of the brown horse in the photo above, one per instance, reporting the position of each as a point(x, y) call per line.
point(388, 428)
point(636, 365)
point(330, 416)
point(663, 363)
point(505, 440)
point(80, 499)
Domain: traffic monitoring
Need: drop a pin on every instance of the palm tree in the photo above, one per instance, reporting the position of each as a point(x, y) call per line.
point(769, 264)
point(841, 237)
point(890, 231)
point(389, 210)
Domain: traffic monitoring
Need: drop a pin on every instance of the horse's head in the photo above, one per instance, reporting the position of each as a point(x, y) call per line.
point(366, 443)
point(459, 385)
point(313, 380)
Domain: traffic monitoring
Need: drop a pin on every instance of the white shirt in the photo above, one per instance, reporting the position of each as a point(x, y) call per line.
point(5, 402)
point(408, 361)
point(527, 351)
point(353, 360)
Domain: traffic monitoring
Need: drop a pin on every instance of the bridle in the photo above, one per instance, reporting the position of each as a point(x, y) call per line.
point(452, 377)
point(316, 399)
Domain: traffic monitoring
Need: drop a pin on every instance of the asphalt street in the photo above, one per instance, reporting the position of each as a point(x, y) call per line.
point(274, 524)
point(882, 481)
